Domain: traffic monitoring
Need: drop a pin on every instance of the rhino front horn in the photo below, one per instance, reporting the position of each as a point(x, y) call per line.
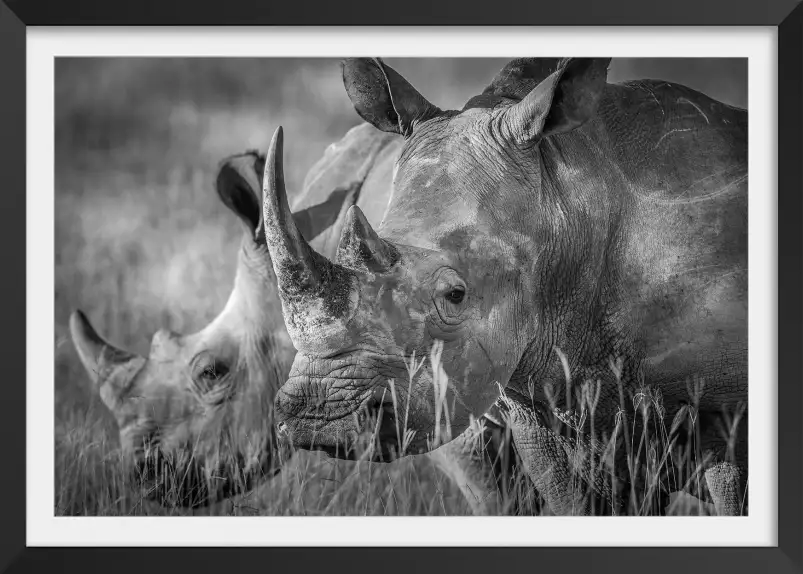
point(109, 367)
point(361, 248)
point(298, 267)
point(314, 291)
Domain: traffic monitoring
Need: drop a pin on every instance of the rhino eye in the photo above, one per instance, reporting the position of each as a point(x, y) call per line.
point(212, 372)
point(208, 369)
point(455, 296)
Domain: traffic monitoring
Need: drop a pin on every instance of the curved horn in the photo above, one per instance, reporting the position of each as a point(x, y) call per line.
point(298, 267)
point(104, 362)
point(361, 248)
point(314, 291)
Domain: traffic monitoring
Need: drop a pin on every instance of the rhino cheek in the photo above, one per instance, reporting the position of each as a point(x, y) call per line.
point(475, 370)
point(476, 386)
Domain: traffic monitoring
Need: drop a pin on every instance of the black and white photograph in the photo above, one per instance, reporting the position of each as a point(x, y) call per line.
point(375, 286)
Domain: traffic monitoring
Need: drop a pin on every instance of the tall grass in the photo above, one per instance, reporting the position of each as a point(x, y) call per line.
point(143, 243)
point(648, 465)
point(93, 478)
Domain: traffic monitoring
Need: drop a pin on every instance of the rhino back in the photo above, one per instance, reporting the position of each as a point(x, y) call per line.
point(673, 140)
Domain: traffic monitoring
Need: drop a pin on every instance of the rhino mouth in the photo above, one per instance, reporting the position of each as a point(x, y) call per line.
point(364, 430)
point(342, 405)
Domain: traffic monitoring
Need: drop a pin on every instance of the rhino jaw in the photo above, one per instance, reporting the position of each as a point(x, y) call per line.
point(364, 429)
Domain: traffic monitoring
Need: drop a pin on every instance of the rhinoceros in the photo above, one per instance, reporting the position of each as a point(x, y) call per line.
point(569, 229)
point(195, 416)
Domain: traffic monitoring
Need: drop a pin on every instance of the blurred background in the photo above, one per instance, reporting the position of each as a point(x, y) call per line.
point(142, 241)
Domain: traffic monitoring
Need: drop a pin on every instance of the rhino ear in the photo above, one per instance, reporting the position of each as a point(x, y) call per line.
point(239, 185)
point(383, 97)
point(563, 101)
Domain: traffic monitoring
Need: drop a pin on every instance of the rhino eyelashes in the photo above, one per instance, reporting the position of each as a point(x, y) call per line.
point(210, 374)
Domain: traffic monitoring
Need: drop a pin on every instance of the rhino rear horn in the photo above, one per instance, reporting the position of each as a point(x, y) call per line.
point(361, 247)
point(110, 368)
point(383, 98)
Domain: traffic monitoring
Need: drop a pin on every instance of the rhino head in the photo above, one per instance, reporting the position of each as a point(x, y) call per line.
point(194, 415)
point(469, 260)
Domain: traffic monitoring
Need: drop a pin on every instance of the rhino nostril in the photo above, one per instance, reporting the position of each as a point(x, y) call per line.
point(282, 428)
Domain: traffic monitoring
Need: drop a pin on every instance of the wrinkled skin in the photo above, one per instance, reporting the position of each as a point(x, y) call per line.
point(603, 220)
point(201, 405)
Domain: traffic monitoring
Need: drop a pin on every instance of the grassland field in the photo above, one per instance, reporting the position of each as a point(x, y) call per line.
point(143, 242)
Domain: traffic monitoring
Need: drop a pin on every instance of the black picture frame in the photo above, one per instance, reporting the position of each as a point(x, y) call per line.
point(786, 15)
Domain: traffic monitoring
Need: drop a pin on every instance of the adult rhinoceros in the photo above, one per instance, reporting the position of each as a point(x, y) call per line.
point(530, 237)
point(195, 415)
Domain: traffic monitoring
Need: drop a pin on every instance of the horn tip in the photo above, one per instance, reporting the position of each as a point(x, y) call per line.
point(357, 222)
point(274, 158)
point(355, 215)
point(86, 342)
point(78, 322)
point(273, 190)
point(276, 146)
point(84, 336)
